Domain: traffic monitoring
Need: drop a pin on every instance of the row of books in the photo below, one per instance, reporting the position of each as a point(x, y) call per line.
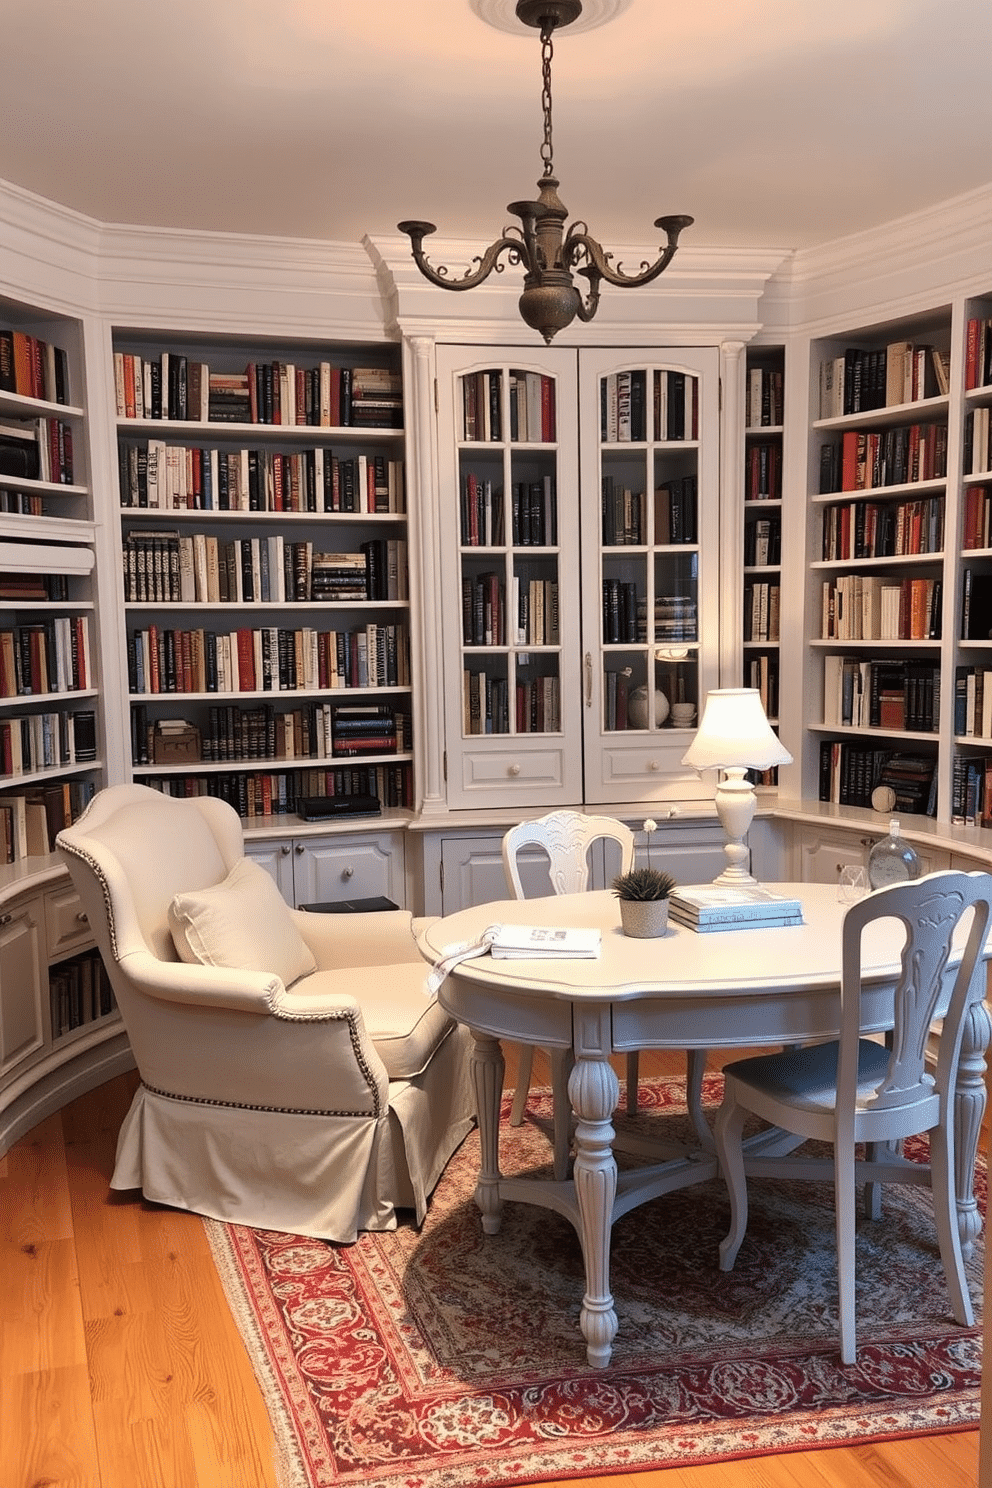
point(31, 821)
point(626, 404)
point(275, 659)
point(483, 609)
point(620, 611)
point(51, 656)
point(763, 471)
point(976, 605)
point(535, 608)
point(177, 386)
point(762, 611)
point(867, 460)
point(23, 503)
point(260, 796)
point(883, 529)
point(765, 404)
point(971, 790)
point(482, 522)
point(977, 457)
point(978, 352)
point(26, 588)
point(616, 694)
point(182, 477)
point(973, 702)
point(625, 520)
point(859, 379)
point(197, 568)
point(868, 607)
point(33, 368)
point(44, 741)
point(530, 402)
point(486, 704)
point(849, 773)
point(79, 992)
point(37, 449)
point(762, 542)
point(977, 518)
point(888, 694)
point(761, 672)
point(533, 513)
point(238, 735)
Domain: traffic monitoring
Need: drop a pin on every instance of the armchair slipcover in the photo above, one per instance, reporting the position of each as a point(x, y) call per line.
point(317, 1108)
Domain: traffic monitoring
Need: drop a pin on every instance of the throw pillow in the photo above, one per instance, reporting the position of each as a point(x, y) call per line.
point(244, 923)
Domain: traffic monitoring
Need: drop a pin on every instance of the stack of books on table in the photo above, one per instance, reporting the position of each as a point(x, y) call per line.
point(707, 907)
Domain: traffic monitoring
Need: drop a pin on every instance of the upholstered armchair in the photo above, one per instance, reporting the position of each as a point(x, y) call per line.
point(294, 1074)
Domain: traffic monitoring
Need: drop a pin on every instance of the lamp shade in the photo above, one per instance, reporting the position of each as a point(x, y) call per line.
point(734, 733)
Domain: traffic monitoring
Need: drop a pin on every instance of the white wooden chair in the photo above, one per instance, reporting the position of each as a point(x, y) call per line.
point(566, 837)
point(855, 1090)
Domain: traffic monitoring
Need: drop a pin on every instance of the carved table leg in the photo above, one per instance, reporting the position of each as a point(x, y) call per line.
point(594, 1090)
point(969, 1108)
point(488, 1068)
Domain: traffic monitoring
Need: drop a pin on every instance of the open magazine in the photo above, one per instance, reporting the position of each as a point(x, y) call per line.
point(520, 943)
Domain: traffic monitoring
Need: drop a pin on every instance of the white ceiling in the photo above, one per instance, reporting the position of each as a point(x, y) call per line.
point(775, 123)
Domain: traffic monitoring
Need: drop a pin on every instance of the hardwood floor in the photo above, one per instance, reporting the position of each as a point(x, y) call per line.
point(121, 1367)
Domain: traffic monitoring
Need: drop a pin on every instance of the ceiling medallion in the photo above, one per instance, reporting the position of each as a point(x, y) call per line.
point(502, 14)
point(550, 300)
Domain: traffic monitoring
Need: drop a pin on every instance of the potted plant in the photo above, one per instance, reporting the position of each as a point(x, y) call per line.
point(643, 895)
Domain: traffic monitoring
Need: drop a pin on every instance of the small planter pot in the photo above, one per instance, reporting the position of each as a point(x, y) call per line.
point(644, 918)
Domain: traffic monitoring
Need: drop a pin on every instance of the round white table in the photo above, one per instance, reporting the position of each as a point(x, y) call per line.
point(683, 990)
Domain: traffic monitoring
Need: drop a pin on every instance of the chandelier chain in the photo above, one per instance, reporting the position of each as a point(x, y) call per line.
point(547, 52)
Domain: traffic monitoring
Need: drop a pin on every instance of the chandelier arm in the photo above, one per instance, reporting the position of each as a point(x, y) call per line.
point(417, 231)
point(587, 308)
point(579, 244)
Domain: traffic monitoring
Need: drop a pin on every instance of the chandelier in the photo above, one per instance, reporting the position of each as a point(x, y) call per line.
point(550, 300)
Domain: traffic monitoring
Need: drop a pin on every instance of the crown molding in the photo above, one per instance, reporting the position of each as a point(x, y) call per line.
point(898, 267)
point(232, 282)
point(50, 253)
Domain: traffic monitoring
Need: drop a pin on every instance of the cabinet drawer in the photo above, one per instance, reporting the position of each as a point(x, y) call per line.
point(523, 775)
point(68, 929)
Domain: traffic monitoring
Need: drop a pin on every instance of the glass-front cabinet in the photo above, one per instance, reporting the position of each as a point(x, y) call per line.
point(579, 568)
point(650, 551)
point(511, 577)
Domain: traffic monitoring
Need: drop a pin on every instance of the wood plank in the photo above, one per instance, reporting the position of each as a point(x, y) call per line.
point(164, 1393)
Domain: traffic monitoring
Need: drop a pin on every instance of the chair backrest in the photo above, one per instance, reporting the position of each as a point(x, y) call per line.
point(930, 910)
point(566, 837)
point(134, 849)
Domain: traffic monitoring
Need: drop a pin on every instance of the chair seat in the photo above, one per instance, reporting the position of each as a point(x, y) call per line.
point(807, 1077)
point(405, 1025)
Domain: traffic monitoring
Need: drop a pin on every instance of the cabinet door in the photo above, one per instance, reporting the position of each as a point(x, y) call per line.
point(348, 867)
point(650, 568)
point(277, 860)
point(510, 575)
point(23, 981)
point(824, 854)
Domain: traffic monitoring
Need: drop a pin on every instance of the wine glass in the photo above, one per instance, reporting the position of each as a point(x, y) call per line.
point(852, 884)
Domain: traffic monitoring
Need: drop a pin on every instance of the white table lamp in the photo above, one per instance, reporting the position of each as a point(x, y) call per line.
point(734, 736)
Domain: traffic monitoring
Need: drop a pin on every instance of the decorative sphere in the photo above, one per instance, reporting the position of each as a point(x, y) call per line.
point(637, 708)
point(549, 308)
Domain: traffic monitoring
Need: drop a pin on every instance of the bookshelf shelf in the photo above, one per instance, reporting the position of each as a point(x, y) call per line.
point(229, 527)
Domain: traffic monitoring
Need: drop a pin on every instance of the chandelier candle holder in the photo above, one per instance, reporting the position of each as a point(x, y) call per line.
point(734, 736)
point(547, 252)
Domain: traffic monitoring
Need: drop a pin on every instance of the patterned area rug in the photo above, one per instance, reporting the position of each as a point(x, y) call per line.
point(439, 1357)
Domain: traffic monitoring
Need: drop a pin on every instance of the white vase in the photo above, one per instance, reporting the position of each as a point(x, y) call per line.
point(644, 918)
point(637, 708)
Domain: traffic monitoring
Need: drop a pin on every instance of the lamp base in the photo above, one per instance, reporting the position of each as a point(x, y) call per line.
point(735, 806)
